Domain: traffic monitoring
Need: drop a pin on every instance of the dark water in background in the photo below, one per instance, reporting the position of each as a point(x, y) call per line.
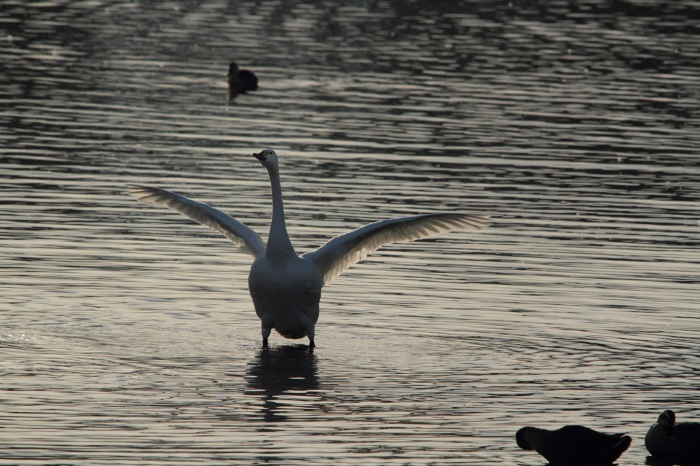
point(127, 335)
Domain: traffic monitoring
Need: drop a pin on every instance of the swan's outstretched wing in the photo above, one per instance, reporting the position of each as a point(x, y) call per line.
point(247, 240)
point(341, 252)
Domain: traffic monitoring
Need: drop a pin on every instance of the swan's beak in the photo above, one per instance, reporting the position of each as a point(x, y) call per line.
point(259, 156)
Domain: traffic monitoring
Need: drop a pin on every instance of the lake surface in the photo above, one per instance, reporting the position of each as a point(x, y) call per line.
point(127, 335)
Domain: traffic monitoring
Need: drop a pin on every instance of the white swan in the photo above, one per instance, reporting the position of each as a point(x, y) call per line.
point(286, 288)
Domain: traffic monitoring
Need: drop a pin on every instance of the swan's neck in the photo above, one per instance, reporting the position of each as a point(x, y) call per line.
point(279, 247)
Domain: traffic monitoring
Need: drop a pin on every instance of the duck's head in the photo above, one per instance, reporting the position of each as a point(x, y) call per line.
point(667, 419)
point(267, 158)
point(520, 439)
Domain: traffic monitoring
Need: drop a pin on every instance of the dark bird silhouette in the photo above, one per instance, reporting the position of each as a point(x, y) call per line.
point(675, 443)
point(573, 445)
point(240, 81)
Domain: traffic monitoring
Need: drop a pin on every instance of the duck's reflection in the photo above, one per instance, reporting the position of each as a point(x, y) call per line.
point(278, 370)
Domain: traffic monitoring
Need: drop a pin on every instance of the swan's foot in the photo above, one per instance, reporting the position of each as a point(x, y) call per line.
point(312, 345)
point(265, 345)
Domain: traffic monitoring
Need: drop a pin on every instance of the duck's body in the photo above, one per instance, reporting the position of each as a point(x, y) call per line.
point(677, 443)
point(573, 445)
point(240, 81)
point(286, 287)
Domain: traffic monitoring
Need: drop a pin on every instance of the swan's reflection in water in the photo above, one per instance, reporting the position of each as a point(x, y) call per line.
point(280, 371)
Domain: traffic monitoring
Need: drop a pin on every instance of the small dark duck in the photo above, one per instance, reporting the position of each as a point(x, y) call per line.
point(671, 442)
point(240, 81)
point(573, 445)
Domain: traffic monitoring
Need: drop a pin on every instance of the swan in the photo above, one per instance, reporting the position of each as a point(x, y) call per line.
point(573, 445)
point(286, 287)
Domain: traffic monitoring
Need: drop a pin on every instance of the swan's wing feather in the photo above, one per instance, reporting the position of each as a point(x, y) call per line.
point(341, 252)
point(247, 240)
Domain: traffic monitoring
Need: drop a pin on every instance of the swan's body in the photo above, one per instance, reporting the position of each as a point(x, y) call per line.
point(285, 287)
point(677, 443)
point(274, 286)
point(573, 445)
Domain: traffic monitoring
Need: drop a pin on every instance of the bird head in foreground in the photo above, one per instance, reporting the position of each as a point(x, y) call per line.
point(520, 439)
point(667, 419)
point(267, 158)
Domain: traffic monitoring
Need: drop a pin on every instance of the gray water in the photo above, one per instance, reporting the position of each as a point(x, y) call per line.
point(127, 335)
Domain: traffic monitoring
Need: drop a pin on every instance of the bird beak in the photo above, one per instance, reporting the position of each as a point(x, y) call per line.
point(258, 156)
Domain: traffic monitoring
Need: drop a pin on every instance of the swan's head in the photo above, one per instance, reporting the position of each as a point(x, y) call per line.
point(267, 158)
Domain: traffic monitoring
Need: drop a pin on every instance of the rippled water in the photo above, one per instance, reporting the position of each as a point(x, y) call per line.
point(127, 333)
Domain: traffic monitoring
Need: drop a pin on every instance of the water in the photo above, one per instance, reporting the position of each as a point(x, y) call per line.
point(127, 333)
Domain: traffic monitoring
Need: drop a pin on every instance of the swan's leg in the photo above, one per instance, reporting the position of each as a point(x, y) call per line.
point(265, 333)
point(310, 333)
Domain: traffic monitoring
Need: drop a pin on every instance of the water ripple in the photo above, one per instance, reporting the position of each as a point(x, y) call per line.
point(128, 334)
